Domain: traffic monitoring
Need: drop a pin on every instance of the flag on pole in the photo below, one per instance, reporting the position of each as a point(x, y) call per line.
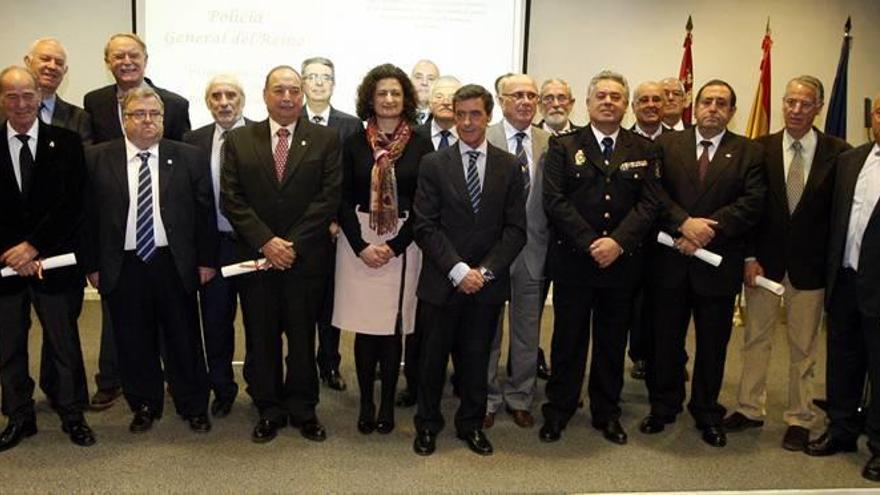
point(759, 118)
point(835, 122)
point(686, 73)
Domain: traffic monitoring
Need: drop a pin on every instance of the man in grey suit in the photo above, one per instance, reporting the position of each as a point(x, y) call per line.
point(319, 81)
point(47, 60)
point(515, 133)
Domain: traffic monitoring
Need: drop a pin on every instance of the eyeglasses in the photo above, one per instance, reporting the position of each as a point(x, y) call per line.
point(141, 115)
point(560, 99)
point(522, 96)
point(792, 104)
point(324, 78)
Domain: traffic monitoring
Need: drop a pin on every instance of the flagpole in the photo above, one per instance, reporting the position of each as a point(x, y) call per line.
point(686, 72)
point(835, 122)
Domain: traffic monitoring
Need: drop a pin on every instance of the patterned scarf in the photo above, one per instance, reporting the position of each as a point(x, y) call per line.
point(383, 184)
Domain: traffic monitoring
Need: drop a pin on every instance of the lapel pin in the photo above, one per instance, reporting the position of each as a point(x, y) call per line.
point(51, 144)
point(169, 162)
point(728, 155)
point(303, 142)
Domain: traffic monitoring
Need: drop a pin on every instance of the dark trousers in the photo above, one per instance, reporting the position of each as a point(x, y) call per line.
point(574, 306)
point(640, 331)
point(328, 357)
point(853, 350)
point(218, 305)
point(382, 351)
point(464, 329)
point(412, 347)
point(107, 376)
point(58, 314)
point(276, 303)
point(150, 299)
point(713, 317)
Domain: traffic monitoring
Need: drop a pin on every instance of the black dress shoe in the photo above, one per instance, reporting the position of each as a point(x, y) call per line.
point(199, 423)
point(872, 469)
point(79, 433)
point(266, 430)
point(313, 430)
point(550, 432)
point(405, 398)
point(612, 431)
point(15, 432)
point(425, 443)
point(543, 369)
point(221, 408)
point(143, 420)
point(739, 422)
point(654, 424)
point(104, 398)
point(333, 380)
point(714, 435)
point(385, 426)
point(639, 369)
point(476, 441)
point(366, 426)
point(828, 445)
point(796, 438)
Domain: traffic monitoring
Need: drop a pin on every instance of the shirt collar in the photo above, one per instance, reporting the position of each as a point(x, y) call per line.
point(49, 103)
point(808, 141)
point(638, 130)
point(716, 141)
point(436, 129)
point(274, 126)
point(33, 132)
point(600, 135)
point(510, 131)
point(218, 130)
point(131, 150)
point(482, 148)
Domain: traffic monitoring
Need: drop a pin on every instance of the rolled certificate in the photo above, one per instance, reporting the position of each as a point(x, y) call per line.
point(766, 283)
point(707, 256)
point(49, 263)
point(241, 268)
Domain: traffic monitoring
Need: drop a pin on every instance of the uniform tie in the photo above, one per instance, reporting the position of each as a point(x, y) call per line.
point(318, 119)
point(607, 149)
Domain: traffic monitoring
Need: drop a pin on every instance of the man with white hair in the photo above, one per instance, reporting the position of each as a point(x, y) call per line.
point(677, 99)
point(555, 104)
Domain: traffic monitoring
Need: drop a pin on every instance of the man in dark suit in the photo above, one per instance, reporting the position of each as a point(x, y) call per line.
point(470, 225)
point(647, 104)
point(219, 298)
point(852, 300)
point(601, 196)
point(152, 239)
point(126, 57)
point(714, 186)
point(319, 81)
point(789, 247)
point(47, 60)
point(280, 188)
point(41, 182)
point(677, 100)
point(555, 104)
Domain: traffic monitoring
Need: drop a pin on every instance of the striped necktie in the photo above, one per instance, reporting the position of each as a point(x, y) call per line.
point(523, 160)
point(144, 238)
point(473, 180)
point(794, 183)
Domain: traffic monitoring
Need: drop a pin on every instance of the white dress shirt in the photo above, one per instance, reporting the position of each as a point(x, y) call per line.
point(638, 130)
point(273, 131)
point(461, 268)
point(436, 137)
point(716, 141)
point(808, 151)
point(325, 116)
point(133, 167)
point(601, 135)
point(864, 202)
point(216, 162)
point(510, 132)
point(48, 109)
point(15, 146)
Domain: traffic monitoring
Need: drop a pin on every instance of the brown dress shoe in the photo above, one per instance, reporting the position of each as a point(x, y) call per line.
point(488, 420)
point(522, 417)
point(104, 398)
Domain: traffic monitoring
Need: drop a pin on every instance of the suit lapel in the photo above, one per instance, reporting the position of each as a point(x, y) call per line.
point(818, 169)
point(262, 141)
point(621, 151)
point(776, 169)
point(299, 144)
point(165, 168)
point(119, 165)
point(7, 174)
point(61, 113)
point(720, 162)
point(492, 182)
point(455, 169)
point(689, 161)
point(591, 149)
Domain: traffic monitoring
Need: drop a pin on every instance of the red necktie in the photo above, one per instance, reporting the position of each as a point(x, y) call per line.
point(281, 150)
point(704, 161)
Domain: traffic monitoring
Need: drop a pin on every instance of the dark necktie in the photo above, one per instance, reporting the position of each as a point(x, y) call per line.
point(704, 161)
point(473, 180)
point(145, 242)
point(444, 139)
point(43, 108)
point(794, 183)
point(25, 163)
point(281, 151)
point(318, 119)
point(523, 161)
point(607, 149)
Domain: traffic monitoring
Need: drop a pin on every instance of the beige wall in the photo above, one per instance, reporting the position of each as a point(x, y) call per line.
point(574, 39)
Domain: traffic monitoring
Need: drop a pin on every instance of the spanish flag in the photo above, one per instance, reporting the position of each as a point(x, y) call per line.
point(759, 118)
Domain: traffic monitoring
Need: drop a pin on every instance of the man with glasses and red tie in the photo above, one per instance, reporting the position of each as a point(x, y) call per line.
point(152, 240)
